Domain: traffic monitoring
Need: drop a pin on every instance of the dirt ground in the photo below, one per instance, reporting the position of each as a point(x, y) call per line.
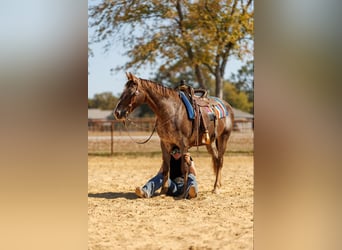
point(117, 219)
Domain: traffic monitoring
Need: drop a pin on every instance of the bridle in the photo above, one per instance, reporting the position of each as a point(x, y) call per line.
point(133, 100)
point(130, 107)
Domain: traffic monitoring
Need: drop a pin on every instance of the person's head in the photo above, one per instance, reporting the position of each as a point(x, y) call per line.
point(175, 152)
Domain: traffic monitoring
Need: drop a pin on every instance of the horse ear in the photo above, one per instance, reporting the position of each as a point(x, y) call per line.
point(134, 78)
point(129, 76)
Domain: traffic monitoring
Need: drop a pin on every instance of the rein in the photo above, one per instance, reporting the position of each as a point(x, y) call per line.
point(138, 142)
point(154, 129)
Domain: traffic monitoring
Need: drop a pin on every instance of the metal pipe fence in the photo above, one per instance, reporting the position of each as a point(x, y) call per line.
point(111, 136)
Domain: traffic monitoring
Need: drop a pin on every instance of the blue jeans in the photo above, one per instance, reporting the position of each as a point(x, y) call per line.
point(175, 189)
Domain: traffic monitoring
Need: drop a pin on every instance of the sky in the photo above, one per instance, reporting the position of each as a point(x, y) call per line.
point(101, 79)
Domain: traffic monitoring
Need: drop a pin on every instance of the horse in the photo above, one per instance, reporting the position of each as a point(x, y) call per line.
point(172, 123)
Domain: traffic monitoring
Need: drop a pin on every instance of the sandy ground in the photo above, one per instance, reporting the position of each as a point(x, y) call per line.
point(120, 220)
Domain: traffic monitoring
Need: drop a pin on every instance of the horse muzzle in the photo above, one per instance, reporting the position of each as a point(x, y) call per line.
point(120, 114)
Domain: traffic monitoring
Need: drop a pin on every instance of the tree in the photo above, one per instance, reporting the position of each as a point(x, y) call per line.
point(104, 101)
point(237, 99)
point(244, 81)
point(226, 28)
point(193, 38)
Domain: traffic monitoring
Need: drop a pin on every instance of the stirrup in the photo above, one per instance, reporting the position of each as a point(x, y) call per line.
point(206, 138)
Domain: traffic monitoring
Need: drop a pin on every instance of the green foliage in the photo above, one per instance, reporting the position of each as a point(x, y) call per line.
point(236, 98)
point(193, 38)
point(244, 82)
point(104, 101)
point(244, 79)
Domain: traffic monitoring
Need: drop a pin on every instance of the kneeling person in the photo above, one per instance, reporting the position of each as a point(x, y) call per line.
point(176, 180)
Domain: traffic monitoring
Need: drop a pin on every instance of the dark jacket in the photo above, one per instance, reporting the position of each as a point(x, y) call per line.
point(175, 168)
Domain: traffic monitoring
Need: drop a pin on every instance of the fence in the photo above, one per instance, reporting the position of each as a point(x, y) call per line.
point(112, 136)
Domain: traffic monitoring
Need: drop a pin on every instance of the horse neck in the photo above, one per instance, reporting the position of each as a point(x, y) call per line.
point(159, 98)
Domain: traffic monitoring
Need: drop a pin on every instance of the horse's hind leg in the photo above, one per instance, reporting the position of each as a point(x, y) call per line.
point(212, 149)
point(217, 149)
point(221, 148)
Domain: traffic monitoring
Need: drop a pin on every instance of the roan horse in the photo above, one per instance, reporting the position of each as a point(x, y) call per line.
point(173, 125)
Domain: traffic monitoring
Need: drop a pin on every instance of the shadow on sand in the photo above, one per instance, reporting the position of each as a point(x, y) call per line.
point(114, 195)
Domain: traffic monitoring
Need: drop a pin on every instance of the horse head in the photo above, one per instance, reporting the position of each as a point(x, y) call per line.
point(131, 97)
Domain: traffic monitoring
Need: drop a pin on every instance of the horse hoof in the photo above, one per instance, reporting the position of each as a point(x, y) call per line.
point(216, 191)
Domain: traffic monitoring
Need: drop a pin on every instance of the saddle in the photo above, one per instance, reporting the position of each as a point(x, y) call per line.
point(202, 109)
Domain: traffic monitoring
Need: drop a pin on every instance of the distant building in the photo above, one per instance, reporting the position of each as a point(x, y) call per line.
point(243, 120)
point(98, 114)
point(96, 118)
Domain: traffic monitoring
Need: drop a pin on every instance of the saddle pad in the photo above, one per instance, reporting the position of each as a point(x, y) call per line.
point(212, 116)
point(218, 109)
point(189, 108)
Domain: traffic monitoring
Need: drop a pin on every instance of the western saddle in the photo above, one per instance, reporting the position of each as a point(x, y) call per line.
point(200, 103)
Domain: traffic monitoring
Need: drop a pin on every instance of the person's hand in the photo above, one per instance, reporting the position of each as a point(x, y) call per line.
point(187, 158)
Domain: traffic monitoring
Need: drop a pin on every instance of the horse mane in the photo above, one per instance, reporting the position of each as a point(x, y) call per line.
point(158, 88)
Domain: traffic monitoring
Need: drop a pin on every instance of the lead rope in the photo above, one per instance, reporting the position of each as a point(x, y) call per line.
point(138, 142)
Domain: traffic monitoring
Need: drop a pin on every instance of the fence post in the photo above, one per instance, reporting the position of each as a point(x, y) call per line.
point(111, 138)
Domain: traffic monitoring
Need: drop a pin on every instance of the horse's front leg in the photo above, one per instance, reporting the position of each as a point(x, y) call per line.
point(165, 184)
point(185, 161)
point(185, 170)
point(166, 168)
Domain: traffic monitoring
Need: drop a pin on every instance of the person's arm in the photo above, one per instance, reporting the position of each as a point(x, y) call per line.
point(191, 163)
point(192, 168)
